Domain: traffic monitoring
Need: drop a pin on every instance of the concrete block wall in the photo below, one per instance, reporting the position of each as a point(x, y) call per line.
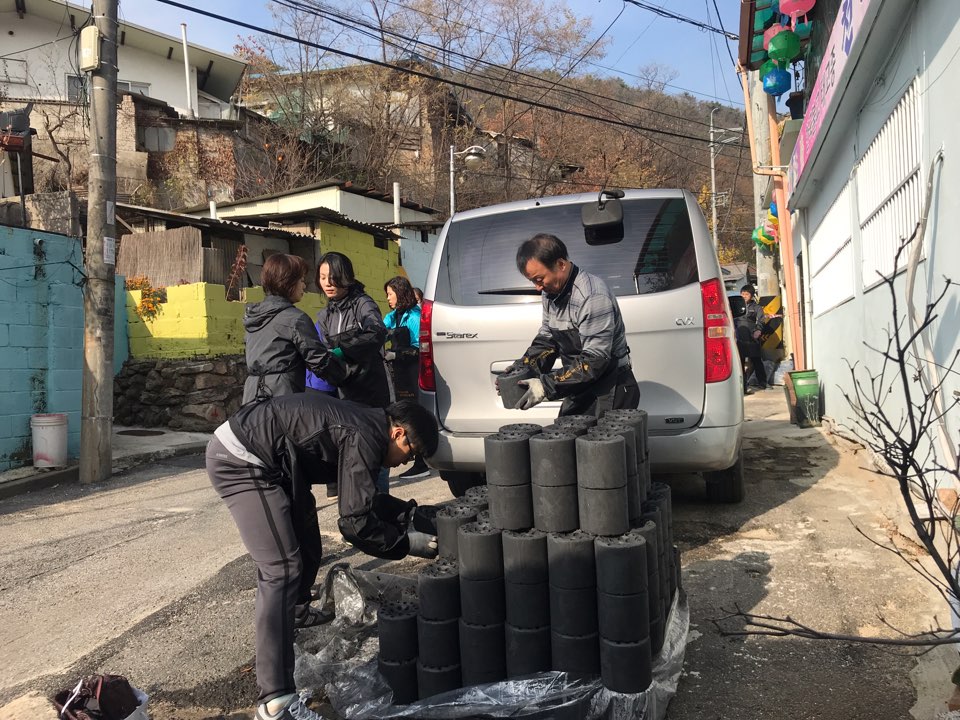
point(196, 321)
point(41, 337)
point(372, 266)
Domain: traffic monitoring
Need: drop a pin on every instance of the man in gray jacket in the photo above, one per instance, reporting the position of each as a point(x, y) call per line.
point(263, 461)
point(583, 327)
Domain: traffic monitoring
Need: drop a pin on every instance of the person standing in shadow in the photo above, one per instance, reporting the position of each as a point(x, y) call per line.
point(403, 357)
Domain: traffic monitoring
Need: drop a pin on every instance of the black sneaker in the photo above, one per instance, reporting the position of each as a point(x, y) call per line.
point(418, 470)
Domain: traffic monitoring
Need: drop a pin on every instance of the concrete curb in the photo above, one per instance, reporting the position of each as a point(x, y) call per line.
point(71, 474)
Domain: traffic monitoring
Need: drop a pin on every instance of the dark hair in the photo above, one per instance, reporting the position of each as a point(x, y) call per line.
point(341, 270)
point(750, 289)
point(542, 247)
point(281, 273)
point(418, 294)
point(404, 290)
point(419, 424)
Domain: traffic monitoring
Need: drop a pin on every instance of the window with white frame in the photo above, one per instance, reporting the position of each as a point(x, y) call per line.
point(75, 87)
point(889, 191)
point(832, 277)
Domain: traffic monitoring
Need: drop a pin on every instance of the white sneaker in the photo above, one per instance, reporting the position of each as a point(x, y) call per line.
point(296, 709)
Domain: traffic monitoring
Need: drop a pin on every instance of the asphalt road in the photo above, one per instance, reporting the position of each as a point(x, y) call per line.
point(146, 576)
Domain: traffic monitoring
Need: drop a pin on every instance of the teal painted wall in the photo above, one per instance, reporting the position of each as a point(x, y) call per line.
point(41, 337)
point(121, 338)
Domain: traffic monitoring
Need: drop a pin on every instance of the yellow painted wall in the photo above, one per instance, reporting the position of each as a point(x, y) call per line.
point(197, 320)
point(371, 265)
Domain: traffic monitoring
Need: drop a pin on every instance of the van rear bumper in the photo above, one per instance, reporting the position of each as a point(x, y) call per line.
point(698, 450)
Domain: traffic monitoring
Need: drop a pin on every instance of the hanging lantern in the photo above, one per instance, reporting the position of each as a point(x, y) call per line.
point(768, 67)
point(771, 231)
point(796, 8)
point(770, 33)
point(776, 82)
point(784, 47)
point(773, 221)
point(773, 209)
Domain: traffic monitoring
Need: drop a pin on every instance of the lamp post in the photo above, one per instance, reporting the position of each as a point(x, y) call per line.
point(713, 170)
point(472, 159)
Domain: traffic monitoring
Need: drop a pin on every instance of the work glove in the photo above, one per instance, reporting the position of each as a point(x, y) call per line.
point(389, 356)
point(422, 544)
point(534, 395)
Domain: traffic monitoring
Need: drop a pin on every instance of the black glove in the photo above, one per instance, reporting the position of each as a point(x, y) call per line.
point(422, 545)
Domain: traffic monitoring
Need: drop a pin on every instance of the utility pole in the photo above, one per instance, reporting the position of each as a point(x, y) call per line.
point(714, 149)
point(713, 185)
point(96, 422)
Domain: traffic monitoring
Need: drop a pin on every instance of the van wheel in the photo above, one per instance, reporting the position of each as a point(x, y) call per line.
point(459, 482)
point(726, 486)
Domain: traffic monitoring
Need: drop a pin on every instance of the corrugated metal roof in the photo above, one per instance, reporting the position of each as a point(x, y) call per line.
point(344, 185)
point(324, 214)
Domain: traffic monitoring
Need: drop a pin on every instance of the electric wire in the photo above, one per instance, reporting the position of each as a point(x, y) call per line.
point(431, 76)
point(601, 66)
point(346, 20)
point(682, 18)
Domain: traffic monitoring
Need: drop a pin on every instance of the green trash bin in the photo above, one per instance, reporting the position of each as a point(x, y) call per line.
point(806, 385)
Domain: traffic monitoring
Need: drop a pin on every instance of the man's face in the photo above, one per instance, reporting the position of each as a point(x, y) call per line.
point(548, 280)
point(746, 296)
point(399, 449)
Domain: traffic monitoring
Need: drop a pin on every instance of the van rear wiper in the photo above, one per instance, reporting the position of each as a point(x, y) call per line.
point(527, 290)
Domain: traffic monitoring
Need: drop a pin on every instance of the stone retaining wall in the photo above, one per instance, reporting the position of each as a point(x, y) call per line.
point(192, 395)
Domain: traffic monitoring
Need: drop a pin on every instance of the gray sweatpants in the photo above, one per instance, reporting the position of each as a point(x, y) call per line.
point(262, 512)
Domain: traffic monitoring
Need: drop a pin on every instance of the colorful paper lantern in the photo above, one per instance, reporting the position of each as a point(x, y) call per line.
point(771, 231)
point(776, 82)
point(784, 47)
point(772, 32)
point(796, 8)
point(773, 209)
point(768, 67)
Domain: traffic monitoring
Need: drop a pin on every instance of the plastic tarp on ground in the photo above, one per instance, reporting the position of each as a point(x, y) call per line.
point(340, 661)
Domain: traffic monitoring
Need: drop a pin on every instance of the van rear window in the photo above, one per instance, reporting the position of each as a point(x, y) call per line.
point(656, 252)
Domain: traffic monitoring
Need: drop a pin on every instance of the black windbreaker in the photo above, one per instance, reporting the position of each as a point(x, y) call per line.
point(281, 342)
point(307, 439)
point(354, 324)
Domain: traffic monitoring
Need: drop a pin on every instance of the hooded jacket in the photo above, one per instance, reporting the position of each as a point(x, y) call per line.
point(281, 342)
point(354, 324)
point(309, 439)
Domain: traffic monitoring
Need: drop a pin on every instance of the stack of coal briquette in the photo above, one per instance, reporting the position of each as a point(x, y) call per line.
point(563, 561)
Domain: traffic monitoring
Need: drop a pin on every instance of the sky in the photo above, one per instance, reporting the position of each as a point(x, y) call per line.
point(637, 38)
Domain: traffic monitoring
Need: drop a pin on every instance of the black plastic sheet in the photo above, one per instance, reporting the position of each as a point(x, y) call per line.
point(340, 661)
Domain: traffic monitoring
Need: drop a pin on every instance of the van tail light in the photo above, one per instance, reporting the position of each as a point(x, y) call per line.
point(718, 352)
point(427, 379)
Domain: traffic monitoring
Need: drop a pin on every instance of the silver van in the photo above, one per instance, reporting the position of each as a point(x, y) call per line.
point(480, 314)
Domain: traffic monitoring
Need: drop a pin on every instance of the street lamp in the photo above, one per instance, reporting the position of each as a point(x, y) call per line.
point(472, 159)
point(714, 149)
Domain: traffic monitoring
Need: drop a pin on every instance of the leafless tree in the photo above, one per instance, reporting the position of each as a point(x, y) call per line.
point(905, 444)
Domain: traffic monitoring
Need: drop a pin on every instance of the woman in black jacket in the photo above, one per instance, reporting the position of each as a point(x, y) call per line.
point(281, 341)
point(353, 328)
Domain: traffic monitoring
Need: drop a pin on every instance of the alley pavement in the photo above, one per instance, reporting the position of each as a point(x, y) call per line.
point(145, 576)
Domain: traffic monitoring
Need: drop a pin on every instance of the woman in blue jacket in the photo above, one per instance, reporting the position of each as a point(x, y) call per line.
point(403, 357)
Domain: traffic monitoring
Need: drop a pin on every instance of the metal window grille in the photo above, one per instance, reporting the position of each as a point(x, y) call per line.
point(889, 190)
